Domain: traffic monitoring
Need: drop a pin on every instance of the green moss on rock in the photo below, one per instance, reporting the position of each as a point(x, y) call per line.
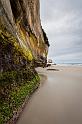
point(18, 77)
point(6, 38)
point(16, 97)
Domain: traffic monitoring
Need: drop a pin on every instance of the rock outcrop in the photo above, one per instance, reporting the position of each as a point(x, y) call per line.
point(20, 19)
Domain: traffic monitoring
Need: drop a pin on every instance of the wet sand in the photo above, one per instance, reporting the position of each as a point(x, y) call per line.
point(58, 99)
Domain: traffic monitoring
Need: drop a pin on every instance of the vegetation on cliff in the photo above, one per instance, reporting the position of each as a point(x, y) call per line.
point(18, 77)
point(23, 46)
point(13, 95)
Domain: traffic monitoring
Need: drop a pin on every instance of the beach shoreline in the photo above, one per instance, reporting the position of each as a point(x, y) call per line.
point(58, 99)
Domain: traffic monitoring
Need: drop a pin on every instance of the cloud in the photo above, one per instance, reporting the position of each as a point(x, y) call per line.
point(63, 23)
point(73, 58)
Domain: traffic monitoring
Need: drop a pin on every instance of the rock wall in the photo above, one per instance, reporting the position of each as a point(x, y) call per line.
point(20, 19)
point(23, 46)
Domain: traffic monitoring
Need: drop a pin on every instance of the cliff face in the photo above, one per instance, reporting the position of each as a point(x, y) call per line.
point(23, 45)
point(20, 25)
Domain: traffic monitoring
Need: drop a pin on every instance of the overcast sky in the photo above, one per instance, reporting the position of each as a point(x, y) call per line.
point(62, 21)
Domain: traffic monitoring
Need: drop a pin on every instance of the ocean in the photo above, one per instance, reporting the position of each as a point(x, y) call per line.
point(70, 64)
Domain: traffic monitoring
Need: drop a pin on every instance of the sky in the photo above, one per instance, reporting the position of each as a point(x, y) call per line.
point(62, 22)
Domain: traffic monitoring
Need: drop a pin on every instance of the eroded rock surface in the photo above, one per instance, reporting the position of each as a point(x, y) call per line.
point(23, 46)
point(20, 20)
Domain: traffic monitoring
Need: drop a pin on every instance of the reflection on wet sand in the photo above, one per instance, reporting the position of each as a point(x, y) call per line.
point(58, 99)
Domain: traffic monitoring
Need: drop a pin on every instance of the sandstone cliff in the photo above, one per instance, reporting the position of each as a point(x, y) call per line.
point(23, 45)
point(20, 19)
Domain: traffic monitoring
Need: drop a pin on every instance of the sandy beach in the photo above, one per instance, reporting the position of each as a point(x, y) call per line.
point(58, 99)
